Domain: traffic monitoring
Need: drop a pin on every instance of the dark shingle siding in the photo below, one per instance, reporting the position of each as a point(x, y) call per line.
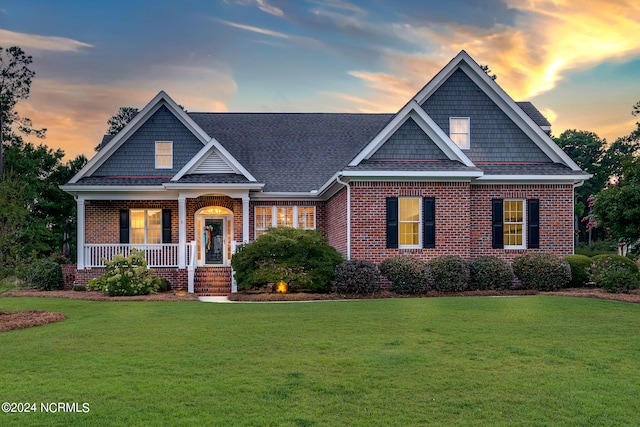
point(409, 142)
point(136, 157)
point(494, 136)
point(535, 114)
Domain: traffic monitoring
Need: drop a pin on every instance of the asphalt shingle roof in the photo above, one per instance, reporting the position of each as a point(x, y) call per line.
point(292, 152)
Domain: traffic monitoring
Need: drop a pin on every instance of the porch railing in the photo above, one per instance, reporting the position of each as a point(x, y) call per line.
point(163, 255)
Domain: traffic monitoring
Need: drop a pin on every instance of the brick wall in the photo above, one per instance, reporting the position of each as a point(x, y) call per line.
point(556, 217)
point(336, 226)
point(368, 218)
point(463, 218)
point(177, 278)
point(102, 218)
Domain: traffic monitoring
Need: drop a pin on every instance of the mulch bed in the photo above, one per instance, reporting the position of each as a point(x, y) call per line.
point(10, 320)
point(24, 319)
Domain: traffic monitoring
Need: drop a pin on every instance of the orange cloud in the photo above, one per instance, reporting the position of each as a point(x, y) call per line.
point(76, 115)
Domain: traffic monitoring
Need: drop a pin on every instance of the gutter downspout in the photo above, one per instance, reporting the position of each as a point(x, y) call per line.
point(346, 184)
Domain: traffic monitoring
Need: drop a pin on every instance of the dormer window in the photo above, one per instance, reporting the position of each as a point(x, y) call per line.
point(459, 131)
point(164, 155)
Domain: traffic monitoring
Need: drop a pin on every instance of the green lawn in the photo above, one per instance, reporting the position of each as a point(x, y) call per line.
point(535, 360)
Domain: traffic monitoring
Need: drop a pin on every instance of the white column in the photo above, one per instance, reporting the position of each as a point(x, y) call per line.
point(80, 239)
point(245, 219)
point(182, 232)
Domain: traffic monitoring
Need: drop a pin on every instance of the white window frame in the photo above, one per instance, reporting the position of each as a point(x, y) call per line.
point(274, 217)
point(163, 155)
point(400, 222)
point(467, 133)
point(146, 226)
point(523, 203)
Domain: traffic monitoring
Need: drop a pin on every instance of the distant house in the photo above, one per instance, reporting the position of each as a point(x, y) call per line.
point(461, 169)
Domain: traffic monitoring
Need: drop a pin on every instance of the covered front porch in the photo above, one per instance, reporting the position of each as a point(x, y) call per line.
point(207, 225)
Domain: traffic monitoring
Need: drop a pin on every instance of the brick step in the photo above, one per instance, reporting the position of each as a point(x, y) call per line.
point(212, 281)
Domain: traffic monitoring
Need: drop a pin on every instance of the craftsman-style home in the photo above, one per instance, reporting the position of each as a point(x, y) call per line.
point(461, 169)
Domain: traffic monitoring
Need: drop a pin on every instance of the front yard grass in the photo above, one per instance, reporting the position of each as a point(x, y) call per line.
point(532, 360)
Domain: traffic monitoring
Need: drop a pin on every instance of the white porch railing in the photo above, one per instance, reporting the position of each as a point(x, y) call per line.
point(163, 255)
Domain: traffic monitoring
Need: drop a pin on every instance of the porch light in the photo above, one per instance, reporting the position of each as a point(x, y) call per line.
point(281, 287)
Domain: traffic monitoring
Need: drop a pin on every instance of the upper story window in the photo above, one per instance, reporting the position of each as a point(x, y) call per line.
point(284, 216)
point(459, 131)
point(164, 155)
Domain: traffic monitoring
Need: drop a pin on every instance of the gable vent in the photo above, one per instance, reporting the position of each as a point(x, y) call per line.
point(213, 164)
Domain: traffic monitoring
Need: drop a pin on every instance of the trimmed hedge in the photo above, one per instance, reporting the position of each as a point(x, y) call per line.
point(579, 270)
point(542, 271)
point(357, 277)
point(44, 275)
point(490, 272)
point(408, 275)
point(301, 258)
point(450, 273)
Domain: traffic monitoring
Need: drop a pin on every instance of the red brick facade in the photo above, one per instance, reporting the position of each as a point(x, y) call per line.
point(463, 219)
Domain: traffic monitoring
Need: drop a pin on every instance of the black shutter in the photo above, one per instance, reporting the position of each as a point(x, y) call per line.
point(497, 227)
point(124, 226)
point(392, 222)
point(533, 223)
point(429, 221)
point(166, 225)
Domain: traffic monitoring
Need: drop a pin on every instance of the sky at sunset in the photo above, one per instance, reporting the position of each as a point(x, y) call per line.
point(577, 61)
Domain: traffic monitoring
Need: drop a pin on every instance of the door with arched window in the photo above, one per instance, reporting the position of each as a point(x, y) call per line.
point(214, 235)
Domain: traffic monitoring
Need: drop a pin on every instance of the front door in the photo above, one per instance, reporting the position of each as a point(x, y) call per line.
point(213, 241)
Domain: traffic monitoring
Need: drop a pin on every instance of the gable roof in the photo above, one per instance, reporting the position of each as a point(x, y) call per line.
point(302, 153)
point(161, 100)
point(471, 68)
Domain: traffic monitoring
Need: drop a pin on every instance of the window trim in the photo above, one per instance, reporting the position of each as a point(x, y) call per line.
point(524, 229)
point(467, 133)
point(419, 221)
point(170, 155)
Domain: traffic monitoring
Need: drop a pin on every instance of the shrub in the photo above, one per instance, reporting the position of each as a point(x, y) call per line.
point(163, 285)
point(301, 258)
point(597, 247)
point(542, 271)
point(579, 270)
point(44, 275)
point(450, 273)
point(490, 272)
point(356, 277)
point(79, 288)
point(614, 273)
point(408, 275)
point(126, 276)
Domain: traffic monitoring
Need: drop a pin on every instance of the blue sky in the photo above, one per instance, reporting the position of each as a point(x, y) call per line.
point(578, 62)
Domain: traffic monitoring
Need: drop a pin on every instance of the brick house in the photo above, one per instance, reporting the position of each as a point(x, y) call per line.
point(461, 169)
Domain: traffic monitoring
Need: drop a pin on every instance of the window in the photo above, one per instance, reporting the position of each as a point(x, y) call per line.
point(411, 222)
point(164, 155)
point(513, 228)
point(264, 220)
point(284, 216)
point(515, 223)
point(307, 217)
point(459, 131)
point(146, 226)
